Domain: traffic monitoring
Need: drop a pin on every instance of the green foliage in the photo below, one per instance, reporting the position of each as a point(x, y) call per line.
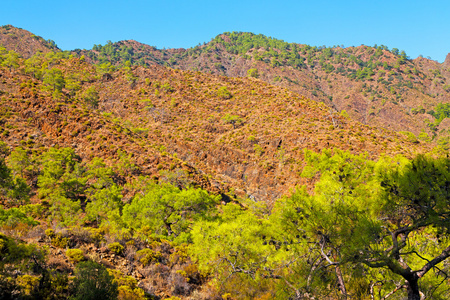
point(16, 258)
point(168, 211)
point(64, 211)
point(128, 286)
point(10, 60)
point(54, 80)
point(441, 111)
point(13, 187)
point(147, 256)
point(253, 73)
point(235, 248)
point(258, 149)
point(410, 136)
point(93, 282)
point(28, 283)
point(232, 119)
point(13, 216)
point(73, 85)
point(60, 173)
point(423, 136)
point(57, 239)
point(91, 97)
point(116, 248)
point(35, 65)
point(75, 255)
point(223, 93)
point(22, 163)
point(372, 221)
point(104, 203)
point(62, 181)
point(106, 67)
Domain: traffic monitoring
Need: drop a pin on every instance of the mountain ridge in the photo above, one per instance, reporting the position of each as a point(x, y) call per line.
point(375, 86)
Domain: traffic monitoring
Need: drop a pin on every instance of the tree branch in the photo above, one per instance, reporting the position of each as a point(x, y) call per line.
point(428, 266)
point(397, 288)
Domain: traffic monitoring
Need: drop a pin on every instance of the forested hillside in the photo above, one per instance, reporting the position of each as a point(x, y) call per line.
point(125, 181)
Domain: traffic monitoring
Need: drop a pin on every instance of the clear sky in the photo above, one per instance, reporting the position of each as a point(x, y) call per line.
point(418, 27)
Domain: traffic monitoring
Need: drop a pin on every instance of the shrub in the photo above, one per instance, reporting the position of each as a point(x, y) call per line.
point(28, 283)
point(128, 286)
point(91, 97)
point(224, 93)
point(75, 255)
point(232, 119)
point(97, 234)
point(146, 256)
point(92, 281)
point(253, 73)
point(116, 248)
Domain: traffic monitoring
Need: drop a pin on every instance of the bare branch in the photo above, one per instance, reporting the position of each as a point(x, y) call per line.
point(397, 288)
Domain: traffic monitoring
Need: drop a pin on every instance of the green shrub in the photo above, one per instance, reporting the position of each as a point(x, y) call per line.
point(146, 256)
point(50, 233)
point(232, 119)
point(59, 241)
point(253, 73)
point(224, 93)
point(56, 239)
point(116, 248)
point(28, 283)
point(75, 255)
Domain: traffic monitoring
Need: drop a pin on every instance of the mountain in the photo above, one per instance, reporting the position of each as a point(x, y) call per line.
point(374, 85)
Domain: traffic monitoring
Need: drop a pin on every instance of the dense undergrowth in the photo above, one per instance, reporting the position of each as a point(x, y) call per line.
point(365, 229)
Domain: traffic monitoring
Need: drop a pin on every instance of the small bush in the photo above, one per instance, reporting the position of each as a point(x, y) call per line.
point(253, 73)
point(56, 239)
point(224, 93)
point(146, 256)
point(232, 119)
point(75, 255)
point(116, 248)
point(50, 233)
point(97, 234)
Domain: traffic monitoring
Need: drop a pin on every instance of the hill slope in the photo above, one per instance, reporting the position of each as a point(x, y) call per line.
point(24, 42)
point(239, 132)
point(374, 85)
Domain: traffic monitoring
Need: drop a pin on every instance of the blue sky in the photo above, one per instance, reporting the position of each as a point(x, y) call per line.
point(418, 27)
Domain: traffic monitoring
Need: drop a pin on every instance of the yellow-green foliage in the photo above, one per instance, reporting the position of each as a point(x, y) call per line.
point(75, 255)
point(117, 248)
point(224, 93)
point(97, 234)
point(179, 255)
point(258, 149)
point(57, 239)
point(50, 233)
point(411, 137)
point(128, 286)
point(27, 283)
point(253, 73)
point(146, 256)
